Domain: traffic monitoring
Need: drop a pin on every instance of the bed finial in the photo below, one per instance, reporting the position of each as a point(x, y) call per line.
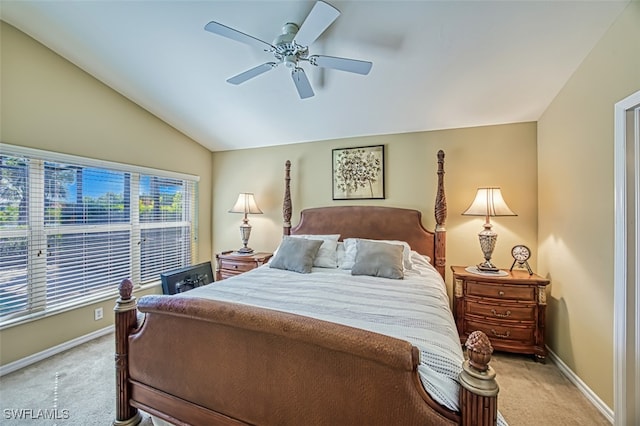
point(479, 389)
point(126, 320)
point(286, 207)
point(440, 211)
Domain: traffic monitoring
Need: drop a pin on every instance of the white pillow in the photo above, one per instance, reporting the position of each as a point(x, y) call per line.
point(351, 250)
point(419, 259)
point(340, 252)
point(327, 256)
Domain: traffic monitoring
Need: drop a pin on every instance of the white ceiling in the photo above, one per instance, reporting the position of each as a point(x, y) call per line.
point(436, 64)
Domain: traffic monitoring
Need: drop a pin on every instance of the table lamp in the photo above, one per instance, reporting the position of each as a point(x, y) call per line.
point(246, 204)
point(488, 202)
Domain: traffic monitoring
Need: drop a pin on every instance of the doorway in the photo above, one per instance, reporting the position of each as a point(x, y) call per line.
point(626, 336)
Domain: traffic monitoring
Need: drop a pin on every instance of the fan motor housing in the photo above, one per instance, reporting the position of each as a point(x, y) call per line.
point(286, 49)
point(289, 32)
point(290, 61)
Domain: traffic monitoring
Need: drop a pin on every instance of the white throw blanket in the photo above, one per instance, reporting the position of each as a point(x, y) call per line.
point(415, 309)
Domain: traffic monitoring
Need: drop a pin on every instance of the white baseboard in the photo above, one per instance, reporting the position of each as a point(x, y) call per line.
point(31, 359)
point(582, 386)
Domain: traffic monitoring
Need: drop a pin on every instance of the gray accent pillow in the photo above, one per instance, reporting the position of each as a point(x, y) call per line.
point(296, 254)
point(327, 256)
point(378, 260)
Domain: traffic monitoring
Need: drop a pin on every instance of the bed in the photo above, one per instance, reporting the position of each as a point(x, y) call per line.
point(332, 346)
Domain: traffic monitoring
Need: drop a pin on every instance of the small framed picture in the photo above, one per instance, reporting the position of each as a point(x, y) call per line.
point(358, 173)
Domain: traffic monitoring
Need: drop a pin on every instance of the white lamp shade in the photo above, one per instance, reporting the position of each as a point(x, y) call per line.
point(246, 203)
point(489, 202)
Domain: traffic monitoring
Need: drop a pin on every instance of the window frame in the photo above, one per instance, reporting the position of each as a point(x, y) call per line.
point(37, 231)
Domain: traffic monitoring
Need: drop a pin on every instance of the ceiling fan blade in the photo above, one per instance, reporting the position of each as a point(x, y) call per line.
point(224, 31)
point(321, 16)
point(302, 83)
point(342, 64)
point(253, 72)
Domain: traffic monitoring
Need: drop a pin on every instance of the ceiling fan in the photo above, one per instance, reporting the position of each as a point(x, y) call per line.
point(292, 47)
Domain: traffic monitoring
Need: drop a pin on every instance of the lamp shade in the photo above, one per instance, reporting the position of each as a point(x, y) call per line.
point(246, 203)
point(489, 202)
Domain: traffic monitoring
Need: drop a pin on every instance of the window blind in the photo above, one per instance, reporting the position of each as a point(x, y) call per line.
point(166, 209)
point(70, 231)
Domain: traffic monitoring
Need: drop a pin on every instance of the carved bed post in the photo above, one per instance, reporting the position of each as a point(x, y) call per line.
point(479, 389)
point(440, 260)
point(286, 207)
point(125, 321)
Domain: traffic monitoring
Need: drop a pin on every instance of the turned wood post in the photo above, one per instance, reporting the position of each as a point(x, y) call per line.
point(286, 206)
point(125, 321)
point(440, 260)
point(479, 389)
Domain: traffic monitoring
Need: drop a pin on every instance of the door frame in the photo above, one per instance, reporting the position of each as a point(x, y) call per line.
point(626, 333)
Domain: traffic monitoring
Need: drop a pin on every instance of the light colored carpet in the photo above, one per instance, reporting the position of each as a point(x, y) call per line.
point(539, 394)
point(81, 381)
point(80, 385)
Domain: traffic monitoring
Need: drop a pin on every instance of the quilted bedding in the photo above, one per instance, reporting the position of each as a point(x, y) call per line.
point(415, 309)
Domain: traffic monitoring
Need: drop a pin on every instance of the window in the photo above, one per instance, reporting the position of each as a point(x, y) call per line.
point(71, 229)
point(164, 226)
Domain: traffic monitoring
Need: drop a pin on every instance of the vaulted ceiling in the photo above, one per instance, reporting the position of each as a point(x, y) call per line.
point(436, 64)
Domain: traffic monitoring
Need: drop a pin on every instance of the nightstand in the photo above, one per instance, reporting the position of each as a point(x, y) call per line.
point(509, 309)
point(234, 263)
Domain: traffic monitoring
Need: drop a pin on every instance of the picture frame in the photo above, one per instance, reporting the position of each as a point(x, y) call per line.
point(358, 173)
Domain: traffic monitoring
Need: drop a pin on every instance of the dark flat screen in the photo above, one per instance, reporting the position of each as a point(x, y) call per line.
point(184, 279)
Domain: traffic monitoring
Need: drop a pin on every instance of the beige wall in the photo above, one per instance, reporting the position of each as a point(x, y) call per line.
point(576, 200)
point(49, 104)
point(494, 155)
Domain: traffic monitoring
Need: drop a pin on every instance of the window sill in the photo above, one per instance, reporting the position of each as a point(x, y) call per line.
point(111, 296)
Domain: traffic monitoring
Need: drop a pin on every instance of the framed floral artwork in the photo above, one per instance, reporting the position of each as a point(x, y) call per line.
point(358, 173)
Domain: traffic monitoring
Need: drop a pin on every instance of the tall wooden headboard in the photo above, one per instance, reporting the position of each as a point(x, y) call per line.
point(376, 222)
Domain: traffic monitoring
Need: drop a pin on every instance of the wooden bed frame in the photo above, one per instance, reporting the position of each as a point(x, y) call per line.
point(193, 361)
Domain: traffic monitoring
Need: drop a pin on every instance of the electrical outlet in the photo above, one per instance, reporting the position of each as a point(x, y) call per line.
point(97, 314)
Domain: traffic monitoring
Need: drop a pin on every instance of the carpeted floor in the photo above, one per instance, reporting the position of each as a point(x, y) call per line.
point(539, 394)
point(78, 386)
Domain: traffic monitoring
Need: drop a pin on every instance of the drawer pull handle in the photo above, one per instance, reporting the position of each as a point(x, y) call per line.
point(235, 266)
point(495, 333)
point(501, 293)
point(497, 314)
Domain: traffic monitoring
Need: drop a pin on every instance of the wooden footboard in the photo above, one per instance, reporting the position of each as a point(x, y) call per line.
point(203, 362)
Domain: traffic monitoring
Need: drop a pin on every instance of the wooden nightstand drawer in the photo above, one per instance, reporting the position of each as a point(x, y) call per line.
point(234, 265)
point(223, 274)
point(496, 331)
point(501, 291)
point(231, 263)
point(508, 307)
point(508, 312)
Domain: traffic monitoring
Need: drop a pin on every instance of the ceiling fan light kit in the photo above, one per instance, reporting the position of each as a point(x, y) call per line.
point(292, 47)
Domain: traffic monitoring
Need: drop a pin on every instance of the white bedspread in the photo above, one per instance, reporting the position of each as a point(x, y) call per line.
point(415, 309)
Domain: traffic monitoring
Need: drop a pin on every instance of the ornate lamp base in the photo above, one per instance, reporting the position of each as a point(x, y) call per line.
point(487, 243)
point(487, 266)
point(245, 232)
